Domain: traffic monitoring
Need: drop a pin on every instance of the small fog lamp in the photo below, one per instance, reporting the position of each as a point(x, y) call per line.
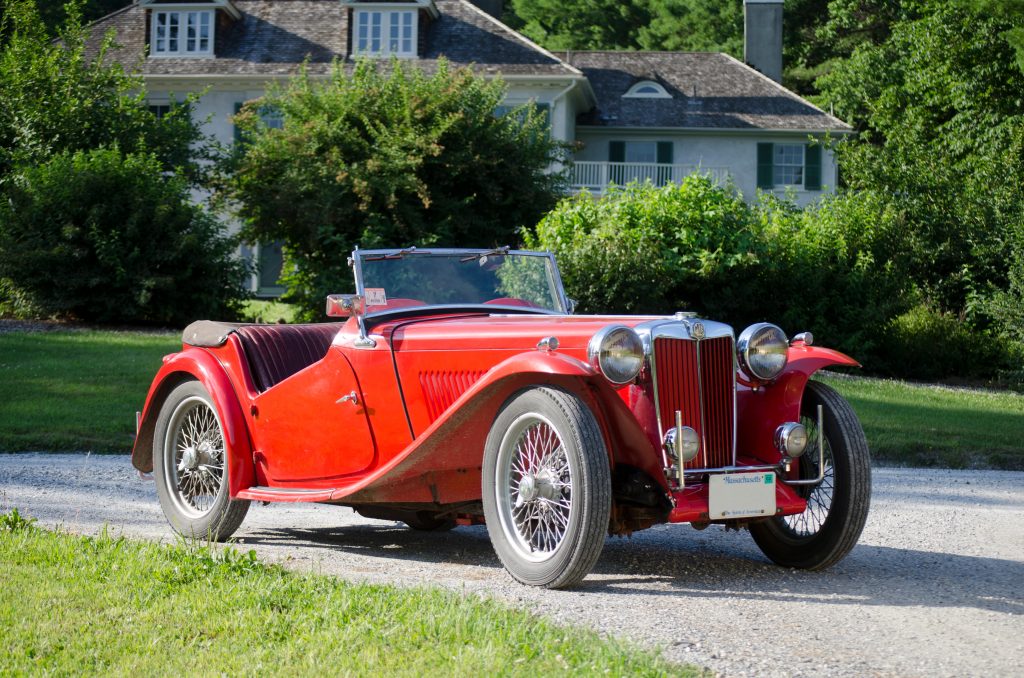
point(791, 439)
point(684, 443)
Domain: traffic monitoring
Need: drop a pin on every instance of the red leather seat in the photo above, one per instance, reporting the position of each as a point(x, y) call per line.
point(276, 352)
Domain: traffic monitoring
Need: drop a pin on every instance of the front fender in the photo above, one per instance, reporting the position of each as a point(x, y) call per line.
point(760, 411)
point(201, 365)
point(443, 464)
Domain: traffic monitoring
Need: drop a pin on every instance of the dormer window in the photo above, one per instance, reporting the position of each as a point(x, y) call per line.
point(386, 32)
point(647, 89)
point(182, 33)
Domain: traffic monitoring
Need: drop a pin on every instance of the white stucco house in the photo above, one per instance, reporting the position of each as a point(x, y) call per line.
point(632, 115)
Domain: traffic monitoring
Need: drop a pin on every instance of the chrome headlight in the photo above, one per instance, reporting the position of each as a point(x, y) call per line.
point(762, 351)
point(617, 352)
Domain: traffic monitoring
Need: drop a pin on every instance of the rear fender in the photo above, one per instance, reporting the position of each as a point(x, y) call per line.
point(443, 464)
point(201, 365)
point(761, 411)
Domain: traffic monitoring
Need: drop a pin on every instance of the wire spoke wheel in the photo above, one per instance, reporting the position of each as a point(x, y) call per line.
point(198, 465)
point(538, 502)
point(546, 488)
point(837, 507)
point(190, 465)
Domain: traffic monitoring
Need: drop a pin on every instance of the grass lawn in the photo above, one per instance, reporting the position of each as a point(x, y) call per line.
point(76, 390)
point(110, 606)
point(79, 390)
point(918, 425)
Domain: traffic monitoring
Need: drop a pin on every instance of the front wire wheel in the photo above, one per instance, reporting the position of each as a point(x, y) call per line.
point(837, 508)
point(546, 488)
point(190, 466)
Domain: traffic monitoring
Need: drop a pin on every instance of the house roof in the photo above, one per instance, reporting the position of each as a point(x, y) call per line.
point(276, 37)
point(709, 91)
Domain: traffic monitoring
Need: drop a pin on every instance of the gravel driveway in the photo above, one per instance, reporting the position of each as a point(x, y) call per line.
point(935, 587)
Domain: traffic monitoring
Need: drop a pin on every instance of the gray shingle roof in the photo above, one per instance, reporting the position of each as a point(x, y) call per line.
point(729, 94)
point(275, 37)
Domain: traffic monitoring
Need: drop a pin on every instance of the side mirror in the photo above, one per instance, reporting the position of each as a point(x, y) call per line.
point(345, 305)
point(570, 305)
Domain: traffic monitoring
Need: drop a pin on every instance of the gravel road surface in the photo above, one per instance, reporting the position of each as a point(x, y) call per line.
point(935, 587)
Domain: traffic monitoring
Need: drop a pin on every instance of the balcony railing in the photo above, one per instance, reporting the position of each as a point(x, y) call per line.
point(596, 176)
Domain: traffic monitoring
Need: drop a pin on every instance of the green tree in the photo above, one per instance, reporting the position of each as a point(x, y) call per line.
point(694, 26)
point(56, 97)
point(939, 105)
point(386, 156)
point(580, 24)
point(1011, 11)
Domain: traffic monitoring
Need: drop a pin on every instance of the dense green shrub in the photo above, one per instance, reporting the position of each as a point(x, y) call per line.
point(106, 237)
point(926, 344)
point(831, 268)
point(642, 249)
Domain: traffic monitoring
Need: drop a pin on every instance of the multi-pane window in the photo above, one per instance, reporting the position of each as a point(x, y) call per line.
point(788, 164)
point(385, 32)
point(159, 110)
point(182, 33)
point(642, 151)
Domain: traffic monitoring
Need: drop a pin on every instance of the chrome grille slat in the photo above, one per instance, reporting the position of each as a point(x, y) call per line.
point(703, 391)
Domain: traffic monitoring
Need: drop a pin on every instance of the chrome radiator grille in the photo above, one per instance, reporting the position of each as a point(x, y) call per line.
point(705, 396)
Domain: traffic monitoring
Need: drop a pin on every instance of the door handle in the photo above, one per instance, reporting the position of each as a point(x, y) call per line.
point(352, 397)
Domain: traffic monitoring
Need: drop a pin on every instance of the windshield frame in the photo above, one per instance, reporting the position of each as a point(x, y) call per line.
point(359, 255)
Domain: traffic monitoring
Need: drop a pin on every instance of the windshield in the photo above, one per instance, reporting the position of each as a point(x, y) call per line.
point(394, 279)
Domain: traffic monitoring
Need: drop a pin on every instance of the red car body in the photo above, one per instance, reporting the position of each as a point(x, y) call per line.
point(313, 413)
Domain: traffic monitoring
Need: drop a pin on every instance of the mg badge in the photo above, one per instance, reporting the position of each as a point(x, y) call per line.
point(697, 330)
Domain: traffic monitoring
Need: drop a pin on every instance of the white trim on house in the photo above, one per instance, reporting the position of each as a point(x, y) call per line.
point(427, 5)
point(716, 131)
point(170, 30)
point(394, 30)
point(653, 89)
point(213, 4)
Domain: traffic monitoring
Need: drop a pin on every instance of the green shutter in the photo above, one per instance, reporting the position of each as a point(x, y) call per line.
point(665, 152)
point(616, 151)
point(764, 166)
point(812, 167)
point(665, 158)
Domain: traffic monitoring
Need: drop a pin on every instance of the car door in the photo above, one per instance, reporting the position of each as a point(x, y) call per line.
point(311, 430)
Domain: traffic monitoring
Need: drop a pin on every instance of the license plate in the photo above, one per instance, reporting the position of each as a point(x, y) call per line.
point(741, 495)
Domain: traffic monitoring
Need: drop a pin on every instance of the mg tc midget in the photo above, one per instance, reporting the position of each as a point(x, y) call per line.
point(457, 387)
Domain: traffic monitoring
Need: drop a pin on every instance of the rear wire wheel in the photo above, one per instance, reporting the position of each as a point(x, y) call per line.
point(546, 488)
point(837, 508)
point(190, 466)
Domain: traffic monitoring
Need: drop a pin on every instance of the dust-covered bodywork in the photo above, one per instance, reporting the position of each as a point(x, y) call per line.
point(457, 387)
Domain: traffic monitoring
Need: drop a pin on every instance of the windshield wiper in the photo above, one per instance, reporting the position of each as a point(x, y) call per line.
point(400, 254)
point(499, 251)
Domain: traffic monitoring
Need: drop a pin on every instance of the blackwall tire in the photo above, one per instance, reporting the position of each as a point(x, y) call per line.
point(546, 488)
point(190, 466)
point(838, 508)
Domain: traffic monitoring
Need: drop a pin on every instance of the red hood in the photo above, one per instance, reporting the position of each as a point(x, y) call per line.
point(499, 331)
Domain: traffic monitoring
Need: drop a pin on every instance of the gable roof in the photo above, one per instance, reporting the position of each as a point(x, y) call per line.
point(275, 37)
point(709, 91)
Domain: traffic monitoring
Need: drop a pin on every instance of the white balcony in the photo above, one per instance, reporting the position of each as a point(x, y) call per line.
point(596, 176)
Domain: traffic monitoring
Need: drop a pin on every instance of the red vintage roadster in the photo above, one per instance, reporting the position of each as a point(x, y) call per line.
point(460, 389)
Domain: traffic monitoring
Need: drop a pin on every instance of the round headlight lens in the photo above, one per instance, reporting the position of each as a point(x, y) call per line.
point(617, 352)
point(763, 350)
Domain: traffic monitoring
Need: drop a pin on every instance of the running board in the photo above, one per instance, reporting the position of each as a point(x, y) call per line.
point(285, 494)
